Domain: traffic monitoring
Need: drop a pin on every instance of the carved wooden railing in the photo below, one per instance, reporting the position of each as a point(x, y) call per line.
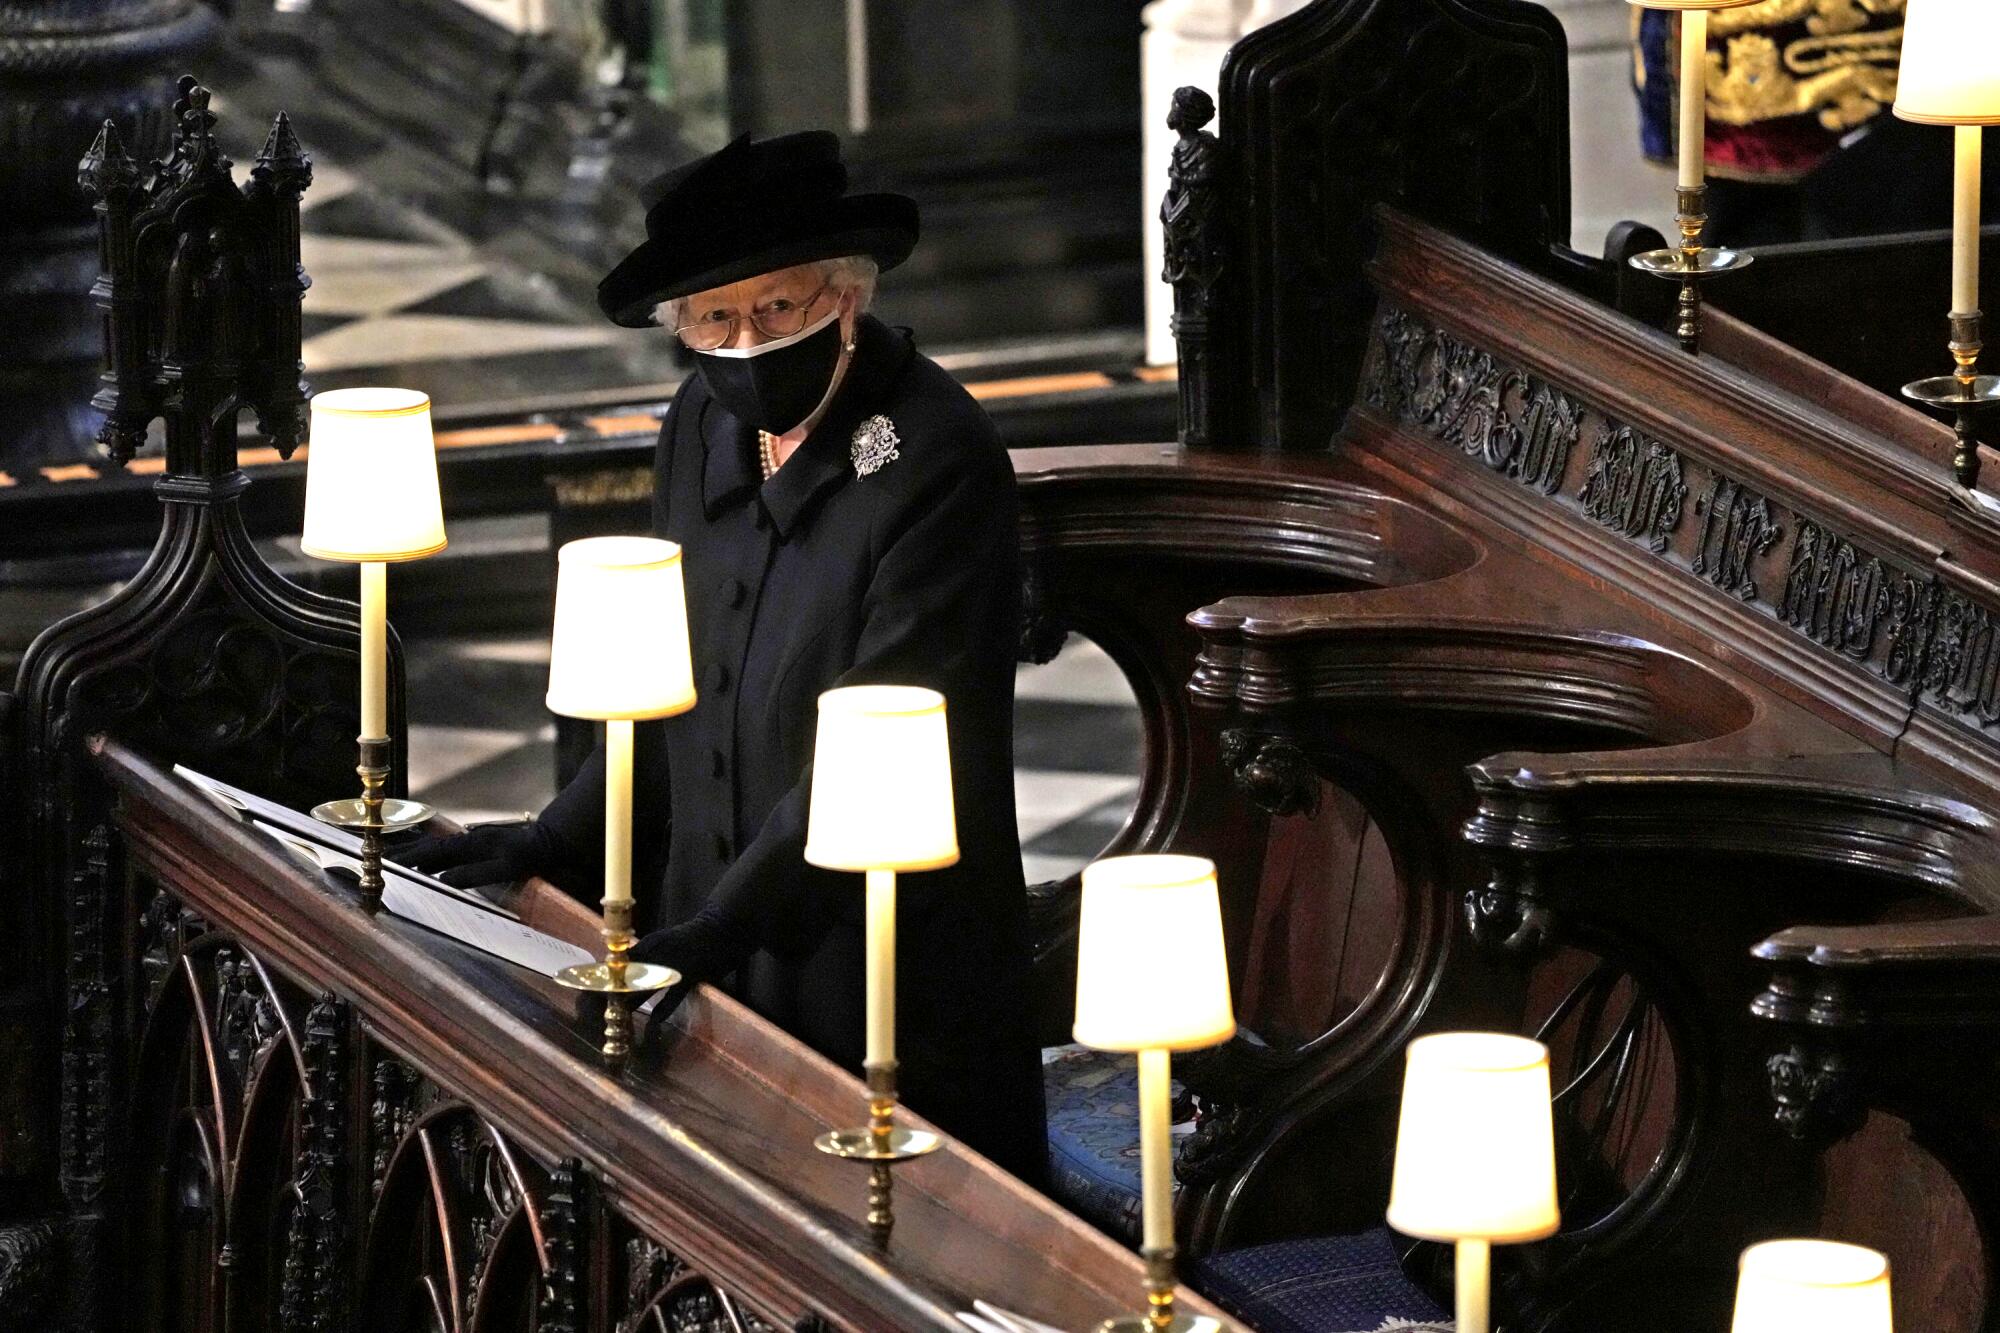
point(334, 1120)
point(1722, 664)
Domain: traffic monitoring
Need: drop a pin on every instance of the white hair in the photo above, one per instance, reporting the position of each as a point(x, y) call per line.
point(849, 273)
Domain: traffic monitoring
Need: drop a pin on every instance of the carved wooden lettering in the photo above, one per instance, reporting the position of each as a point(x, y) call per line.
point(1736, 528)
point(1634, 486)
point(1834, 592)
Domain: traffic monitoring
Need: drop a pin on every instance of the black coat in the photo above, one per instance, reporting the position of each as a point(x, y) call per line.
point(817, 578)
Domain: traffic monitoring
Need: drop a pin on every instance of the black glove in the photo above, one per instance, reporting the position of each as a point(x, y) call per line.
point(485, 854)
point(696, 949)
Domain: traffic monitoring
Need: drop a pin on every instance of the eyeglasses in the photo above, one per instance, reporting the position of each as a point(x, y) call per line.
point(774, 319)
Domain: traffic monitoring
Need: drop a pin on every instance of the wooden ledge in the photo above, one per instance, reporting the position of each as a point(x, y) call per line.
point(704, 1143)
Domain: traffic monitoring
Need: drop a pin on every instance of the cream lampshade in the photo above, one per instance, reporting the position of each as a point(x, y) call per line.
point(881, 802)
point(1950, 72)
point(371, 497)
point(371, 477)
point(1827, 1287)
point(881, 781)
point(1475, 1153)
point(1152, 977)
point(1475, 1147)
point(1150, 968)
point(620, 647)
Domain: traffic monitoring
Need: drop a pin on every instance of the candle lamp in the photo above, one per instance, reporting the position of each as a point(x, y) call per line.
point(881, 802)
point(371, 500)
point(1152, 978)
point(1691, 263)
point(619, 654)
point(1786, 1285)
point(1475, 1154)
point(1950, 76)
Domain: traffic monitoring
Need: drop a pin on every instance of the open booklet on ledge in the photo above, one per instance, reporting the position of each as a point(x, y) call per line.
point(450, 911)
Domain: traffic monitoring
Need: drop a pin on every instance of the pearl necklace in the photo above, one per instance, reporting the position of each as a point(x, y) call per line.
point(767, 453)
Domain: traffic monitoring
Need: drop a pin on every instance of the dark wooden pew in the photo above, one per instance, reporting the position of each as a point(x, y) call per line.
point(339, 1116)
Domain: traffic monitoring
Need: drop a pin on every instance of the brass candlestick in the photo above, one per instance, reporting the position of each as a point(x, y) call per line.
point(374, 770)
point(1964, 393)
point(1160, 1316)
point(1691, 264)
point(880, 1145)
point(618, 978)
point(371, 814)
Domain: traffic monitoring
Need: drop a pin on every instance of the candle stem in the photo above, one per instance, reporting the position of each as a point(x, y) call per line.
point(617, 811)
point(881, 967)
point(1156, 1148)
point(374, 650)
point(1474, 1265)
point(1965, 220)
point(1694, 96)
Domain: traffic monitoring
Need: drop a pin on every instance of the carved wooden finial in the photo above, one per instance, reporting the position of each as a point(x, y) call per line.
point(1193, 219)
point(283, 166)
point(1191, 110)
point(107, 168)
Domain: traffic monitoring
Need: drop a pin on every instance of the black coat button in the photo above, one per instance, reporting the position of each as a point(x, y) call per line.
point(735, 592)
point(718, 765)
point(718, 678)
point(722, 847)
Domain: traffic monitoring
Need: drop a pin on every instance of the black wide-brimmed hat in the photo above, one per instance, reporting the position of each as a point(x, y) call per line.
point(753, 207)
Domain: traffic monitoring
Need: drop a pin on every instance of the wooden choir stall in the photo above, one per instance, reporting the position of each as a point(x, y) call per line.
point(1519, 670)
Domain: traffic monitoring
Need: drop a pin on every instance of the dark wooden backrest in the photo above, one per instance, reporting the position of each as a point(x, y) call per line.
point(1736, 599)
point(1456, 110)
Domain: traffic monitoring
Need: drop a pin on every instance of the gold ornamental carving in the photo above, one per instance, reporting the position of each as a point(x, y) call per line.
point(1835, 66)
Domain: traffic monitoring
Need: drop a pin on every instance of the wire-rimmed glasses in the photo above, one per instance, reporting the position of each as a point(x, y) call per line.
point(780, 318)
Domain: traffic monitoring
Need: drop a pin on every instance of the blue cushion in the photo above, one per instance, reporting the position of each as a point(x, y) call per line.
point(1093, 1099)
point(1328, 1284)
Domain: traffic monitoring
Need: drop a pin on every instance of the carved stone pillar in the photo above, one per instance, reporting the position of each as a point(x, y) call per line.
point(67, 66)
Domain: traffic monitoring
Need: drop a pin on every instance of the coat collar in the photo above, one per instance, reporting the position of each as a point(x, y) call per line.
point(730, 472)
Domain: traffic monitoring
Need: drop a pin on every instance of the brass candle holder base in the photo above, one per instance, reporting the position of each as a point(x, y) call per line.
point(1691, 264)
point(880, 1146)
point(397, 813)
point(1964, 394)
point(1160, 1316)
point(617, 979)
point(365, 815)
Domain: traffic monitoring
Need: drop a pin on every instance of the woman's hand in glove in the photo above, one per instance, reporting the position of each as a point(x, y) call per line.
point(696, 949)
point(484, 854)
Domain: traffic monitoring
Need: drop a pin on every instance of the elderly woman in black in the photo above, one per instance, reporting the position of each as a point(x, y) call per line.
point(848, 517)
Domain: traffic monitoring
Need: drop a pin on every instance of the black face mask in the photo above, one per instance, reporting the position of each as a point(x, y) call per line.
point(779, 384)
